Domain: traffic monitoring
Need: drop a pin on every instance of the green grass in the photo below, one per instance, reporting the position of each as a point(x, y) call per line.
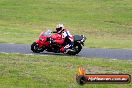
point(107, 23)
point(35, 71)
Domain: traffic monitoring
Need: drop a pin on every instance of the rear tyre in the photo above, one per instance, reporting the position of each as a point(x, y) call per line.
point(76, 49)
point(35, 48)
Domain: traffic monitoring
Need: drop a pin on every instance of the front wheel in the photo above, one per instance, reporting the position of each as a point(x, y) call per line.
point(35, 48)
point(76, 49)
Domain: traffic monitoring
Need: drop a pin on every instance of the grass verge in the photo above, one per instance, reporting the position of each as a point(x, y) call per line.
point(34, 71)
point(107, 24)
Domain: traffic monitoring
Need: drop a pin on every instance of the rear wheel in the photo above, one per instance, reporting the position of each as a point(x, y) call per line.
point(35, 48)
point(76, 49)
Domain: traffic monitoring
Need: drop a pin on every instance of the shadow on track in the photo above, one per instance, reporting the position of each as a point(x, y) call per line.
point(51, 53)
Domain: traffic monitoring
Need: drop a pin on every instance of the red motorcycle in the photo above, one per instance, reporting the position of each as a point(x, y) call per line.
point(45, 43)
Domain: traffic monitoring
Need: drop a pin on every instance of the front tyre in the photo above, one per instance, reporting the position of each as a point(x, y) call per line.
point(35, 48)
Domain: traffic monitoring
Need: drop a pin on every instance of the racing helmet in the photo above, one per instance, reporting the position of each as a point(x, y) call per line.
point(59, 28)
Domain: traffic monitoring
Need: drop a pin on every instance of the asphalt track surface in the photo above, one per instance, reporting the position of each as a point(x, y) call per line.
point(86, 52)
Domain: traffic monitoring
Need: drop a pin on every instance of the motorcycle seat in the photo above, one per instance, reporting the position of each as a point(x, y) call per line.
point(78, 38)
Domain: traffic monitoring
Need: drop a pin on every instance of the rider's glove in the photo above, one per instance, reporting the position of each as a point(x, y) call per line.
point(54, 31)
